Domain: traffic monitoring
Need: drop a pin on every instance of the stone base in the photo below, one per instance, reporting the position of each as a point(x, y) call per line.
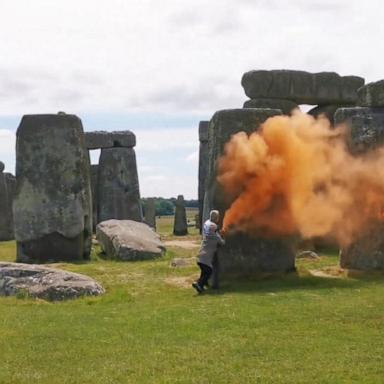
point(180, 233)
point(367, 252)
point(51, 248)
point(243, 255)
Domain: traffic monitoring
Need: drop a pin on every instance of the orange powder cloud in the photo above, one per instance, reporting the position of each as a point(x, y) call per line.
point(296, 176)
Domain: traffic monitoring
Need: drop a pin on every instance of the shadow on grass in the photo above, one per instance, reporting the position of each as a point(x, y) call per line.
point(287, 283)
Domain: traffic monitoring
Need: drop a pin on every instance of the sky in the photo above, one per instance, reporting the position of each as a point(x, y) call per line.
point(159, 67)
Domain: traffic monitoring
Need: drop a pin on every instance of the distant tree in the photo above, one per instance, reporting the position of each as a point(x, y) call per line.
point(164, 207)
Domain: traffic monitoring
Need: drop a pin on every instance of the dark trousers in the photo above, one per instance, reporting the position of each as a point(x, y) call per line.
point(206, 273)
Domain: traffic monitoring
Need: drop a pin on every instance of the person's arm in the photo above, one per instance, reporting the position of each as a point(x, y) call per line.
point(220, 239)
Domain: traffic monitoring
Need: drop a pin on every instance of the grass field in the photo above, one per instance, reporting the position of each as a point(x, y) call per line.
point(150, 327)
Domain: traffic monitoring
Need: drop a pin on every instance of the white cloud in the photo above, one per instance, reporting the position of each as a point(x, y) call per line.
point(172, 55)
point(7, 141)
point(193, 157)
point(165, 139)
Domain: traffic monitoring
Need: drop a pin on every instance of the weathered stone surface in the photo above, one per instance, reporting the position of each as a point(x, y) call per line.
point(203, 166)
point(242, 253)
point(52, 205)
point(150, 213)
point(302, 87)
point(371, 94)
point(11, 190)
point(118, 185)
point(327, 111)
point(6, 232)
point(367, 251)
point(366, 132)
point(285, 106)
point(180, 227)
point(366, 127)
point(103, 139)
point(45, 283)
point(94, 189)
point(129, 240)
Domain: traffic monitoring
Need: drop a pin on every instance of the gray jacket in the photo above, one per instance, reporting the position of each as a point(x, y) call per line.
point(211, 239)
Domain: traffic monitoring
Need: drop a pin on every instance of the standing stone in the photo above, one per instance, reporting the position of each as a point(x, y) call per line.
point(52, 205)
point(203, 166)
point(366, 127)
point(243, 254)
point(6, 227)
point(366, 133)
point(94, 187)
point(118, 185)
point(302, 87)
point(371, 94)
point(150, 213)
point(11, 190)
point(180, 226)
point(285, 106)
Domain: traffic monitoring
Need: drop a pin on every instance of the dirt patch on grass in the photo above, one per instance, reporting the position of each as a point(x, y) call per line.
point(180, 282)
point(333, 272)
point(185, 244)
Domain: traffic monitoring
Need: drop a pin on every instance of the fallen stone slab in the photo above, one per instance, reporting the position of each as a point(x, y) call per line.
point(104, 139)
point(129, 240)
point(371, 94)
point(302, 87)
point(285, 106)
point(45, 283)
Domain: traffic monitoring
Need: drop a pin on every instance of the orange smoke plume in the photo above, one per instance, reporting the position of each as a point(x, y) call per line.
point(296, 176)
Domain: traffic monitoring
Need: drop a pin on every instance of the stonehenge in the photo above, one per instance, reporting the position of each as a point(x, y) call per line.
point(286, 106)
point(150, 213)
point(302, 87)
point(203, 167)
point(180, 227)
point(116, 192)
point(7, 190)
point(242, 254)
point(52, 204)
point(366, 133)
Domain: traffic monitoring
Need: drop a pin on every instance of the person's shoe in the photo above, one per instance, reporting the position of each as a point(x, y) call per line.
point(197, 287)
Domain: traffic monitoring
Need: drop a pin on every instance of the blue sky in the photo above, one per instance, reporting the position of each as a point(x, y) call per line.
point(159, 67)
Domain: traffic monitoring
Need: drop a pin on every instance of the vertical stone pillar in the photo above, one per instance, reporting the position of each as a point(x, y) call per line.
point(203, 166)
point(94, 188)
point(11, 190)
point(242, 254)
point(366, 132)
point(118, 185)
point(150, 213)
point(180, 225)
point(6, 226)
point(52, 205)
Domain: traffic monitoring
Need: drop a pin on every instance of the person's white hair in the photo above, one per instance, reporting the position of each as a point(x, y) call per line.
point(213, 213)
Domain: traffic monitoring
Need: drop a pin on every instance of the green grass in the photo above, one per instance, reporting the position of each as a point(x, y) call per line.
point(296, 329)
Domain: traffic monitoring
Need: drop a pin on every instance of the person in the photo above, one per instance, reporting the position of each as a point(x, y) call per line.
point(210, 242)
